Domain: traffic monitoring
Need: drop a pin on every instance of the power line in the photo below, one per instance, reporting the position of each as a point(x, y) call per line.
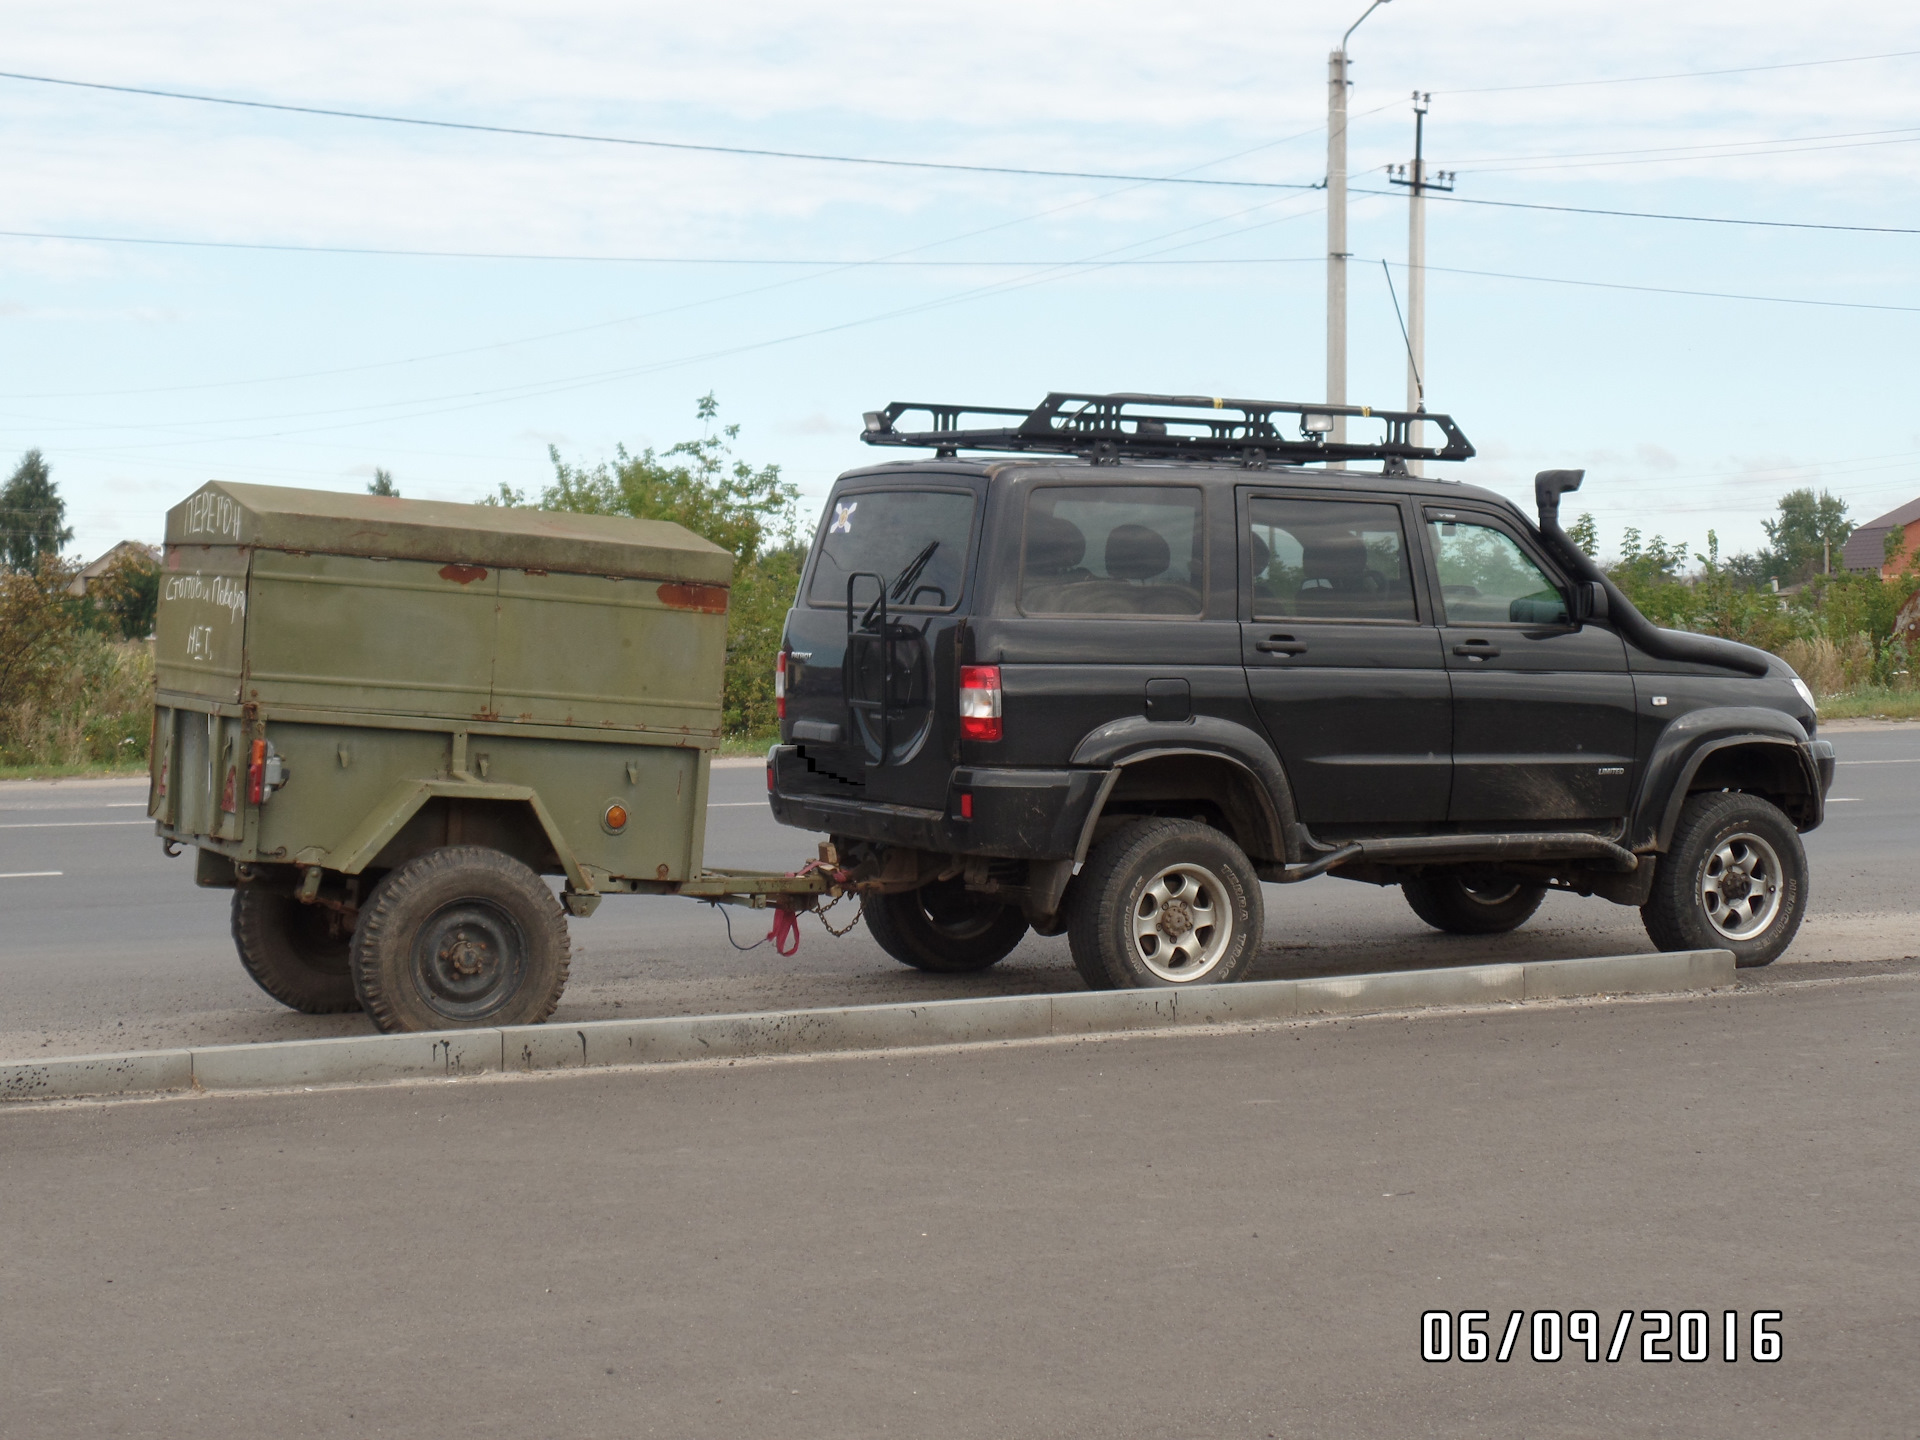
point(1680, 74)
point(972, 234)
point(1457, 199)
point(1668, 290)
point(1719, 150)
point(628, 140)
point(730, 260)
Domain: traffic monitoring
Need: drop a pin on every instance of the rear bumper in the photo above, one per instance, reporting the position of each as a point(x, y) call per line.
point(1017, 814)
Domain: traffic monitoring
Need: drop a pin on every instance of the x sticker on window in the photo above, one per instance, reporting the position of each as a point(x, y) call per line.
point(843, 518)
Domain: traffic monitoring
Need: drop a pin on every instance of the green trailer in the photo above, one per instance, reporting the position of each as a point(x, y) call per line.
point(381, 722)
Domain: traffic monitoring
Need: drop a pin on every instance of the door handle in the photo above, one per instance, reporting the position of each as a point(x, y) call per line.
point(1477, 649)
point(1280, 645)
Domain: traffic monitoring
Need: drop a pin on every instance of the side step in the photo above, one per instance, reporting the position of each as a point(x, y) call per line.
point(1512, 845)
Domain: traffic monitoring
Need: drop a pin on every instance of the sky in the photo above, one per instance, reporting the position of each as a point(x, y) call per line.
point(623, 282)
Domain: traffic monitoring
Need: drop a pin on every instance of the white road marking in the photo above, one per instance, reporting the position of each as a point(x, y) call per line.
point(84, 805)
point(731, 804)
point(1843, 799)
point(68, 824)
point(31, 875)
point(1905, 760)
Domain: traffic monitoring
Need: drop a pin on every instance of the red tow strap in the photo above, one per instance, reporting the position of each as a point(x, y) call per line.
point(785, 933)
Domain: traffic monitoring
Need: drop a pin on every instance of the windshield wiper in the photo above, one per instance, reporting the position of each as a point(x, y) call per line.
point(912, 572)
point(901, 585)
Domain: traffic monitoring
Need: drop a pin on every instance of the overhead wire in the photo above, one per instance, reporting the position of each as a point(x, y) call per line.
point(330, 112)
point(1679, 74)
point(693, 304)
point(535, 389)
point(1458, 199)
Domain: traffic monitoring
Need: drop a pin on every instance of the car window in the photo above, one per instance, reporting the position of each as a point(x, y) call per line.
point(916, 540)
point(1487, 579)
point(1329, 559)
point(1113, 550)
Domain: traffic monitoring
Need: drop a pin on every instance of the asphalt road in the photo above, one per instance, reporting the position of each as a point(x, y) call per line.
point(1201, 1236)
point(116, 949)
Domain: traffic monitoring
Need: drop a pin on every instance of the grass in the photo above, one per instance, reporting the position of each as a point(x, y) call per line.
point(1870, 703)
point(72, 772)
point(754, 745)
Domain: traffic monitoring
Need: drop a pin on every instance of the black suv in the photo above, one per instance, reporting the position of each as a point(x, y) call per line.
point(1168, 650)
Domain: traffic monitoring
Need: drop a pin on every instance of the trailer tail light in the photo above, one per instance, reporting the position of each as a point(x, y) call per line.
point(780, 685)
point(980, 702)
point(266, 772)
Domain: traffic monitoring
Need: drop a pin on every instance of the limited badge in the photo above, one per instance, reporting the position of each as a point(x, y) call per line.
point(843, 518)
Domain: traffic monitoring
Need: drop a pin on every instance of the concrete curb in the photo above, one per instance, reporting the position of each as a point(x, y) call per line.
point(678, 1038)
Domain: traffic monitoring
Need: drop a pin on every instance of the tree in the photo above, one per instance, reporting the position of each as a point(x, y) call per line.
point(32, 515)
point(701, 484)
point(37, 631)
point(383, 483)
point(1809, 532)
point(1585, 534)
point(128, 593)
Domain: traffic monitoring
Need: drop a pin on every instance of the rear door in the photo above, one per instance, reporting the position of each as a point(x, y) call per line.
point(1343, 658)
point(1543, 710)
point(872, 668)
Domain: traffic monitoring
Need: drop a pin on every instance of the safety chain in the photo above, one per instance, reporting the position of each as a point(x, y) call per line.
point(858, 916)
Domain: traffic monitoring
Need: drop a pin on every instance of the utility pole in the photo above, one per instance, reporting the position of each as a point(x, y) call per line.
point(1337, 83)
point(1416, 180)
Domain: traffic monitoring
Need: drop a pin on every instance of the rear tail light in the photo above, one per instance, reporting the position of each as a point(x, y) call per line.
point(980, 702)
point(780, 685)
point(266, 772)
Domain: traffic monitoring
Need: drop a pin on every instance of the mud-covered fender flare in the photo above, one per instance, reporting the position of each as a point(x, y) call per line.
point(1133, 738)
point(1685, 745)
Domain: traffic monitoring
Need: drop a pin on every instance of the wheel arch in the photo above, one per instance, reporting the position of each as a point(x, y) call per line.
point(1767, 762)
point(509, 818)
point(1219, 764)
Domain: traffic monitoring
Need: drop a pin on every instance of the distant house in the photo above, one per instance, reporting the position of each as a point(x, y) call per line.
point(91, 572)
point(1866, 548)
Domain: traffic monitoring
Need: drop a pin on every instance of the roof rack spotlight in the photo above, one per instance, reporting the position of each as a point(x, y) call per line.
point(1109, 428)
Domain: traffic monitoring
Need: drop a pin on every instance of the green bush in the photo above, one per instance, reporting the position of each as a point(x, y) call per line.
point(98, 714)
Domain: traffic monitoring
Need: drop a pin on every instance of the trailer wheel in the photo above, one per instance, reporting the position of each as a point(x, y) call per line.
point(1471, 904)
point(296, 953)
point(458, 938)
point(944, 928)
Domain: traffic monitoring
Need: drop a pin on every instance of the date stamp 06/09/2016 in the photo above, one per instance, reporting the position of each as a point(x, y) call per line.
point(1665, 1336)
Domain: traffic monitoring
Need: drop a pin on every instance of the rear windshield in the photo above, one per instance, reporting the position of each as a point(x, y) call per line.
point(915, 540)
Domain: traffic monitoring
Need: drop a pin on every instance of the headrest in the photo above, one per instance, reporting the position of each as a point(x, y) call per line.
point(1136, 553)
point(1335, 557)
point(1054, 546)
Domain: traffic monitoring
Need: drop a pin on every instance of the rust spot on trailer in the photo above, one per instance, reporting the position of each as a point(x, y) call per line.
point(707, 599)
point(463, 574)
point(661, 871)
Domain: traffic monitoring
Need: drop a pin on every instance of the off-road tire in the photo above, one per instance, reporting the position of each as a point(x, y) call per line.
point(296, 953)
point(1111, 904)
point(458, 938)
point(944, 928)
point(1467, 905)
point(1676, 913)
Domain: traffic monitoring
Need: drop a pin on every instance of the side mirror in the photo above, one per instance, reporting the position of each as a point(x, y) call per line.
point(1589, 601)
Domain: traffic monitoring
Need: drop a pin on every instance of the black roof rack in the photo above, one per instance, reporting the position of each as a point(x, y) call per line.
point(1107, 428)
